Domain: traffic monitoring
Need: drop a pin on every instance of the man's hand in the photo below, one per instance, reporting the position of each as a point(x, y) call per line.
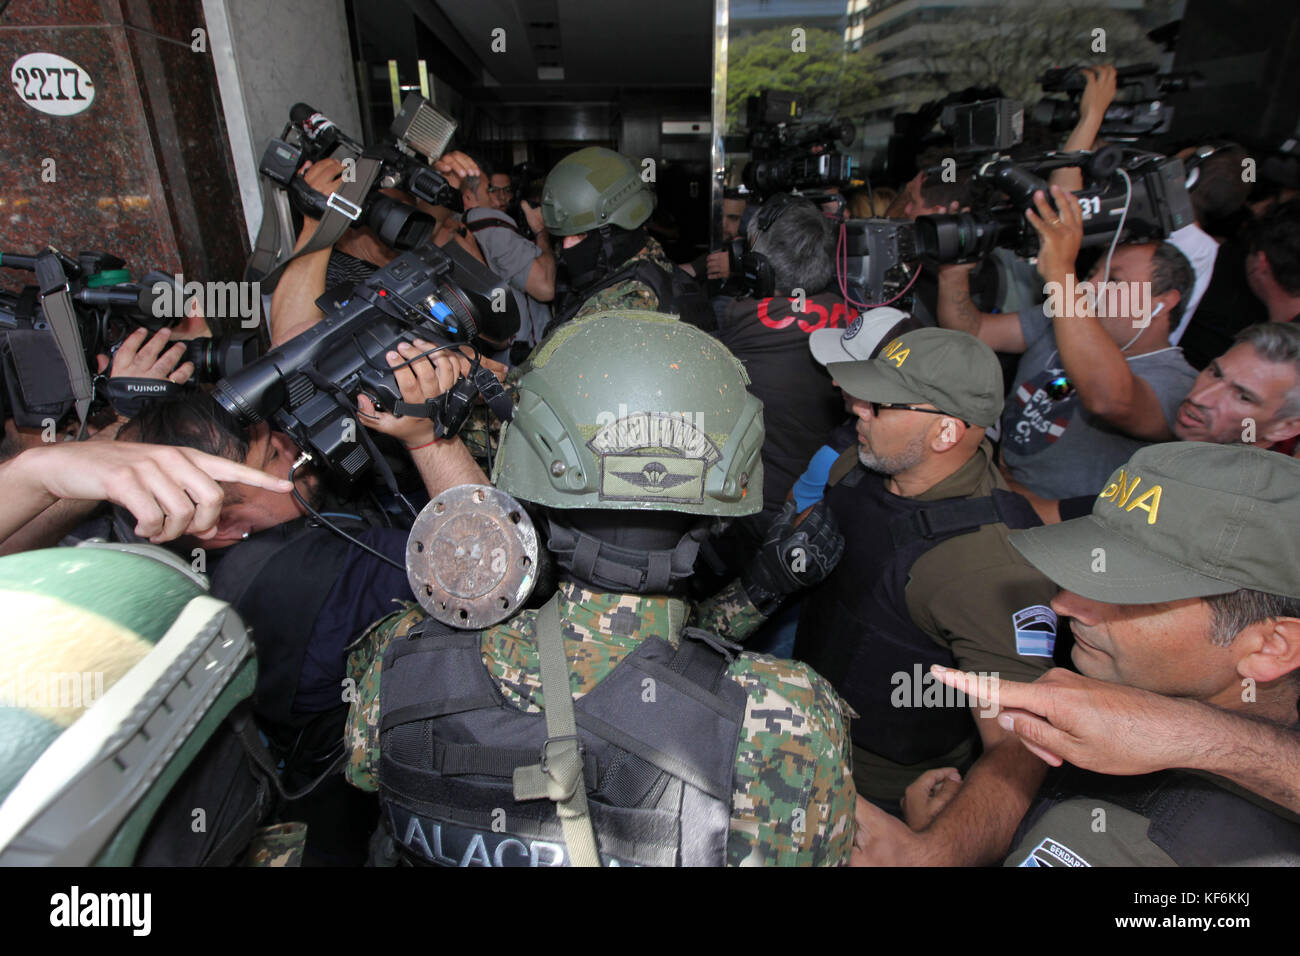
point(883, 840)
point(719, 265)
point(171, 491)
point(928, 794)
point(799, 550)
point(325, 176)
point(1098, 93)
point(1093, 724)
point(533, 216)
point(148, 356)
point(456, 167)
point(421, 380)
point(1060, 232)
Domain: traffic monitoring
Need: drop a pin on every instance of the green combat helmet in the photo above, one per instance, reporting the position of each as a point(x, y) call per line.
point(594, 187)
point(634, 410)
point(116, 667)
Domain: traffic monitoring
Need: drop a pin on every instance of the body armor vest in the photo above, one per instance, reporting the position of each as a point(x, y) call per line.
point(678, 293)
point(659, 735)
point(855, 630)
point(1193, 818)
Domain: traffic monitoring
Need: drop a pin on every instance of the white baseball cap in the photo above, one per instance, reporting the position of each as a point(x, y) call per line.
point(856, 342)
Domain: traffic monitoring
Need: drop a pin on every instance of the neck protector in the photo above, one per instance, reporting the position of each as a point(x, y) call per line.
point(600, 253)
point(640, 564)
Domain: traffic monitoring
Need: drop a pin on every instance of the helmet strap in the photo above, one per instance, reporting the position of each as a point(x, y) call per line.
point(605, 260)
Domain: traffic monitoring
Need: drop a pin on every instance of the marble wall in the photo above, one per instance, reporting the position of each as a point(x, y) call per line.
point(281, 53)
point(144, 172)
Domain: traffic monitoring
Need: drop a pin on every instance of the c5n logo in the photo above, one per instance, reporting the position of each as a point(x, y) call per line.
point(1121, 490)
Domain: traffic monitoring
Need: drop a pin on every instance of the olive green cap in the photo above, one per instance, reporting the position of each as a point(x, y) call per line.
point(632, 409)
point(1180, 520)
point(595, 187)
point(953, 371)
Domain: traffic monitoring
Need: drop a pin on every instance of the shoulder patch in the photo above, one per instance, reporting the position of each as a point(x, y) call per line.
point(1051, 853)
point(1035, 628)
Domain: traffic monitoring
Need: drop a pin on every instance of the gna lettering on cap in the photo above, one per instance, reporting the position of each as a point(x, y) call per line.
point(894, 352)
point(1120, 491)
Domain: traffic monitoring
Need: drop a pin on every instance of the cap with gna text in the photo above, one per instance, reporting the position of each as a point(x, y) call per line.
point(1180, 520)
point(953, 371)
point(857, 342)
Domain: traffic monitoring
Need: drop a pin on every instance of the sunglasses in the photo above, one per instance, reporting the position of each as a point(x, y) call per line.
point(877, 406)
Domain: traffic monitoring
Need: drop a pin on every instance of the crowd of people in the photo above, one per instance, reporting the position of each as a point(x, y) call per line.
point(821, 583)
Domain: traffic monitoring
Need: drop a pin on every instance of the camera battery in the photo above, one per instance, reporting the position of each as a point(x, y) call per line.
point(280, 161)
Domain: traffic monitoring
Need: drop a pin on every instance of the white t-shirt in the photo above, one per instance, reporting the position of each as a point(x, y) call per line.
point(1200, 249)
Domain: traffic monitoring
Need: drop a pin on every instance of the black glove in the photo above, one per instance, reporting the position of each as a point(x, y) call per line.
point(792, 558)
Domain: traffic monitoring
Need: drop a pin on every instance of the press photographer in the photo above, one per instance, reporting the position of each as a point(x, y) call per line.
point(788, 273)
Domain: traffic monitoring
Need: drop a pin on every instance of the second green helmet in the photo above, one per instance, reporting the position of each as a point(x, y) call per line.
point(634, 410)
point(595, 187)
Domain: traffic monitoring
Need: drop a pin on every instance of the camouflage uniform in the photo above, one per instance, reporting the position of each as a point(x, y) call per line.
point(793, 797)
point(481, 434)
point(629, 294)
point(280, 845)
point(730, 613)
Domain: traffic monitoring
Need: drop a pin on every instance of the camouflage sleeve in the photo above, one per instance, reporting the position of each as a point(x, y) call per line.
point(729, 613)
point(365, 662)
point(794, 797)
point(279, 845)
point(622, 295)
point(481, 434)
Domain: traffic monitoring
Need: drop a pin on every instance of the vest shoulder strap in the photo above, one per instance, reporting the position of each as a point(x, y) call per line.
point(948, 519)
point(560, 774)
point(843, 465)
point(481, 224)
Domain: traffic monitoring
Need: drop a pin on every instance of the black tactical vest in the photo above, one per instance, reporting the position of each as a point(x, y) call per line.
point(1196, 819)
point(855, 629)
point(659, 734)
point(678, 292)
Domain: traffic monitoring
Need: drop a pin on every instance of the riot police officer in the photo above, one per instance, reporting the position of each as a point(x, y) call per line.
point(596, 203)
point(633, 434)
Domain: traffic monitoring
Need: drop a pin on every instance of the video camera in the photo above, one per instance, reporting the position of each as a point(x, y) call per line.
point(789, 155)
point(1140, 195)
point(308, 385)
point(419, 134)
point(1126, 189)
point(106, 307)
point(1143, 113)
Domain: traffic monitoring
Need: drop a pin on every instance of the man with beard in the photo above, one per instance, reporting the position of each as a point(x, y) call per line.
point(927, 577)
